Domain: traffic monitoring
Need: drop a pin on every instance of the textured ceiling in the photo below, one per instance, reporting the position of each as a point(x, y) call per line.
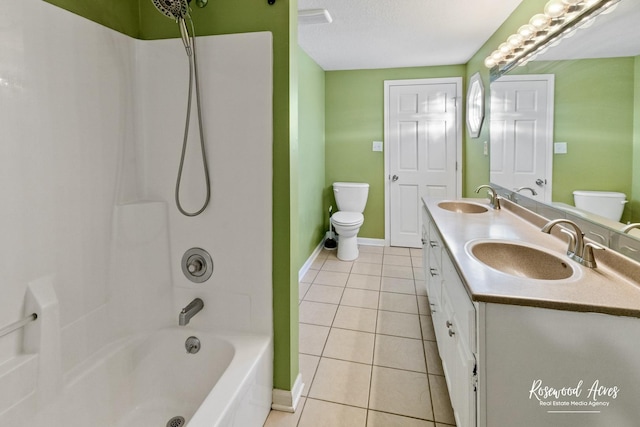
point(400, 33)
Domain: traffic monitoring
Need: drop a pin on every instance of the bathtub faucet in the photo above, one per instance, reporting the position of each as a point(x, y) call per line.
point(189, 311)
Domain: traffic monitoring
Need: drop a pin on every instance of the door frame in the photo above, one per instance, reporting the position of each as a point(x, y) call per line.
point(387, 182)
point(549, 131)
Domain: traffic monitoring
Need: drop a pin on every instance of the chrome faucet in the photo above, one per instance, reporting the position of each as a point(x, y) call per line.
point(189, 311)
point(494, 201)
point(578, 250)
point(630, 227)
point(533, 192)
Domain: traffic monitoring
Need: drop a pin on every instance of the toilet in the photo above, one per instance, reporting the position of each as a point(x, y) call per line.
point(351, 198)
point(607, 204)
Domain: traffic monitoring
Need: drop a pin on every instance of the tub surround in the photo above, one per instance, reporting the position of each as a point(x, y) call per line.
point(93, 130)
point(608, 289)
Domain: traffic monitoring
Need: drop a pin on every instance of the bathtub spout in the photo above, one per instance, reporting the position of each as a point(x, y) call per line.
point(189, 311)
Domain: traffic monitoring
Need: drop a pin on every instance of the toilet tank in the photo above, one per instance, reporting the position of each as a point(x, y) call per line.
point(351, 196)
point(608, 204)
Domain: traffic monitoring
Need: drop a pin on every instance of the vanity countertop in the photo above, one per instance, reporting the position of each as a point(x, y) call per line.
point(611, 288)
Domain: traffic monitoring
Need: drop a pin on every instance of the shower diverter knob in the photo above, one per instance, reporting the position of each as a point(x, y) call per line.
point(197, 265)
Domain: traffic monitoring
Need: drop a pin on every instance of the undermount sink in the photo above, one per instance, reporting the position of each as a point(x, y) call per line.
point(521, 261)
point(462, 207)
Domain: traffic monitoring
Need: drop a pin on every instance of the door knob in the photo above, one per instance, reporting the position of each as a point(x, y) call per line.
point(394, 178)
point(540, 182)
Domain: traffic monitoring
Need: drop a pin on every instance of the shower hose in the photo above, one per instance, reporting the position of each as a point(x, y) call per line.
point(193, 74)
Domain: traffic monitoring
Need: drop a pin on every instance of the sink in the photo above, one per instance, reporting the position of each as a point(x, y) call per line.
point(462, 207)
point(521, 260)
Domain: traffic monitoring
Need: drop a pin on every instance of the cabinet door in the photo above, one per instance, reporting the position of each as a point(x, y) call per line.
point(464, 388)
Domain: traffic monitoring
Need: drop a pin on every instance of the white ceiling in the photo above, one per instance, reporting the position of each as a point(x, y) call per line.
point(400, 33)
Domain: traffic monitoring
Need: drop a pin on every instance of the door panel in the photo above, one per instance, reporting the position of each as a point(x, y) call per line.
point(522, 133)
point(422, 133)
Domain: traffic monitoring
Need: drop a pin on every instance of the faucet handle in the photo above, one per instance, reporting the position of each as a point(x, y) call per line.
point(588, 260)
point(571, 250)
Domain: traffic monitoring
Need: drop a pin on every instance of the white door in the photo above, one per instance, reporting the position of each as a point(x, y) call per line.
point(422, 137)
point(522, 133)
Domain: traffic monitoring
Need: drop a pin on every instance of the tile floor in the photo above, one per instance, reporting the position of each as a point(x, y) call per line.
point(368, 355)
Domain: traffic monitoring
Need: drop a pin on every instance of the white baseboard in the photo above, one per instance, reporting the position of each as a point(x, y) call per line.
point(305, 267)
point(371, 242)
point(285, 400)
point(361, 241)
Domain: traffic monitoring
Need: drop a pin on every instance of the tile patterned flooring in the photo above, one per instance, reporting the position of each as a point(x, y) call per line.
point(368, 355)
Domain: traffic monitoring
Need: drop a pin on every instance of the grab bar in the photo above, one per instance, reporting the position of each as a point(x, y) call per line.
point(17, 325)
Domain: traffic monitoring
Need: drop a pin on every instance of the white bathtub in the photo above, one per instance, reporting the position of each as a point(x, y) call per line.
point(147, 380)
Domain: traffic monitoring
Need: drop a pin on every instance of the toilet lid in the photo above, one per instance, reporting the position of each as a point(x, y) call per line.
point(347, 218)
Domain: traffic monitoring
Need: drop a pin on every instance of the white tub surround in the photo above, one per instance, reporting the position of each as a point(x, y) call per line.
point(92, 124)
point(506, 338)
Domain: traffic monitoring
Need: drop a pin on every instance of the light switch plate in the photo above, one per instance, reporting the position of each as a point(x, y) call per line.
point(377, 145)
point(560, 147)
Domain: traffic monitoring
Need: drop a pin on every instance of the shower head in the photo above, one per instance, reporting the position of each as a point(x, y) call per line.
point(175, 9)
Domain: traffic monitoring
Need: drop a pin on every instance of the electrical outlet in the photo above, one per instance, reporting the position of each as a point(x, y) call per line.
point(377, 146)
point(486, 148)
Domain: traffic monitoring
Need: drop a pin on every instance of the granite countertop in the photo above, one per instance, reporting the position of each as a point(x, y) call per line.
point(611, 288)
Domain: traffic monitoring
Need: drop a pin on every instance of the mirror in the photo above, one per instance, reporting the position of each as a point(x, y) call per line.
point(595, 137)
point(475, 105)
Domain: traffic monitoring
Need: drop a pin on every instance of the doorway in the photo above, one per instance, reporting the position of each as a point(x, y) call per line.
point(423, 151)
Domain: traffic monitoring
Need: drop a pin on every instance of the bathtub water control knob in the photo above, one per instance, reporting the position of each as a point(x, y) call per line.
point(197, 265)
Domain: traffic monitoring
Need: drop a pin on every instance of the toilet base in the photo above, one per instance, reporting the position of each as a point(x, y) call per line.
point(348, 248)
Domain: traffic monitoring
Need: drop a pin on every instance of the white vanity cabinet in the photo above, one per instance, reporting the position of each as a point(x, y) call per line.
point(454, 321)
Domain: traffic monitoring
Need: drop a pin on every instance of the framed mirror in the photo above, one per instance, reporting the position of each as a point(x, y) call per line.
point(475, 105)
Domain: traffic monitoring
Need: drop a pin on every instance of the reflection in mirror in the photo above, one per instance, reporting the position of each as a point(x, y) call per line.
point(595, 138)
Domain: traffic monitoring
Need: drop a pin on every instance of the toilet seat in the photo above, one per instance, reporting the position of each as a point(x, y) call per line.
point(347, 218)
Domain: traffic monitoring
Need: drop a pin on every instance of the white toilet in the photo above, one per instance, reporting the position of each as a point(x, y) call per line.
point(351, 198)
point(607, 204)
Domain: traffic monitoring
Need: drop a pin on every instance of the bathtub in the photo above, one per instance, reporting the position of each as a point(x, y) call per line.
point(150, 380)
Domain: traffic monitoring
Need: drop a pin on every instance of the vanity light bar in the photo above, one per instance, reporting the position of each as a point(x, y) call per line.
point(560, 18)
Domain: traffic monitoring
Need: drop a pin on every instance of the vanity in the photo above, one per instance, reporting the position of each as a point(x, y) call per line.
point(528, 336)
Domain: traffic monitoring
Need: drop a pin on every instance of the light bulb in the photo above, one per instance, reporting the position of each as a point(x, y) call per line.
point(497, 56)
point(504, 48)
point(571, 2)
point(527, 31)
point(515, 40)
point(539, 21)
point(555, 8)
point(489, 62)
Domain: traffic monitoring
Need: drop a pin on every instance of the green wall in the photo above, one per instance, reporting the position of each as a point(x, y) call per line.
point(311, 156)
point(119, 15)
point(354, 119)
point(140, 19)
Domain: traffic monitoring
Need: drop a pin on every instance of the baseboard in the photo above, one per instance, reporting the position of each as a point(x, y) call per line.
point(361, 241)
point(371, 242)
point(305, 267)
point(285, 400)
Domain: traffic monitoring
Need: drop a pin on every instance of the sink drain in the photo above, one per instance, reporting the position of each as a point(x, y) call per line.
point(176, 422)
